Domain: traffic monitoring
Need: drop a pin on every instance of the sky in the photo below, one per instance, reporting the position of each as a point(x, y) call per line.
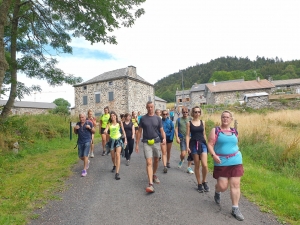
point(176, 34)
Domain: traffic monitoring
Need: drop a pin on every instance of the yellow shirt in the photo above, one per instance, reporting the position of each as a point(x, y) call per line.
point(104, 118)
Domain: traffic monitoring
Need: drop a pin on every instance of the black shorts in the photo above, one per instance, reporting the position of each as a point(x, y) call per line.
point(102, 131)
point(169, 141)
point(136, 128)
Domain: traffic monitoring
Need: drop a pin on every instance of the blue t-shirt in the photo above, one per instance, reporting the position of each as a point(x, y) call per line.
point(84, 134)
point(226, 145)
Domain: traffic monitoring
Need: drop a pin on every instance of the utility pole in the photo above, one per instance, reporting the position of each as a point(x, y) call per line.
point(182, 87)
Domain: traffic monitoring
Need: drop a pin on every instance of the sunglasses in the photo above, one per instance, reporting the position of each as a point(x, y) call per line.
point(165, 114)
point(185, 112)
point(197, 112)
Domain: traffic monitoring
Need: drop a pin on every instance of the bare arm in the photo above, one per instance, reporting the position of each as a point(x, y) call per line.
point(125, 142)
point(133, 131)
point(137, 139)
point(187, 137)
point(163, 134)
point(211, 144)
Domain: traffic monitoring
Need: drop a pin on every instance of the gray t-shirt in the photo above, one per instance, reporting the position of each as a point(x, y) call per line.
point(151, 126)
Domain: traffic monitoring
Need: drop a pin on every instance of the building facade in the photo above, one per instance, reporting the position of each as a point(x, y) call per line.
point(122, 90)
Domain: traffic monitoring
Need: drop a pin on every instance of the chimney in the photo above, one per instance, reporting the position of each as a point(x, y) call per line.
point(214, 83)
point(258, 79)
point(131, 71)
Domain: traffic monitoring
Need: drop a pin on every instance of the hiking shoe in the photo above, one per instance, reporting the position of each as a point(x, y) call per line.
point(92, 155)
point(88, 165)
point(83, 173)
point(150, 189)
point(127, 163)
point(103, 154)
point(165, 169)
point(237, 214)
point(155, 179)
point(206, 188)
point(168, 165)
point(190, 170)
point(217, 198)
point(200, 188)
point(117, 176)
point(113, 169)
point(180, 164)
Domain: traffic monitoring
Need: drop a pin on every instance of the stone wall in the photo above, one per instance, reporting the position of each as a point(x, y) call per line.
point(230, 97)
point(197, 98)
point(295, 89)
point(30, 111)
point(129, 95)
point(258, 102)
point(160, 105)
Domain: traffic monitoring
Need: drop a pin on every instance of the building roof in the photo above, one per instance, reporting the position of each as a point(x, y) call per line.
point(25, 104)
point(185, 92)
point(279, 83)
point(240, 86)
point(113, 75)
point(201, 87)
point(159, 99)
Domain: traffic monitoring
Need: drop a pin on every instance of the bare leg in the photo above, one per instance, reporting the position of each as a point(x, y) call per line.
point(169, 145)
point(235, 191)
point(149, 170)
point(197, 167)
point(117, 159)
point(164, 154)
point(204, 166)
point(155, 164)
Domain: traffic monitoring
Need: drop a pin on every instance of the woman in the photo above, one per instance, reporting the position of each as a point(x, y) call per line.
point(135, 120)
point(169, 131)
point(163, 147)
point(103, 122)
point(130, 131)
point(94, 121)
point(228, 167)
point(196, 142)
point(115, 143)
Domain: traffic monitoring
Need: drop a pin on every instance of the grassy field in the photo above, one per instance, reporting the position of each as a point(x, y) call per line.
point(269, 143)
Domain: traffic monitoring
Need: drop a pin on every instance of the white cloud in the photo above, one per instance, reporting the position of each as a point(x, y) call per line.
point(176, 34)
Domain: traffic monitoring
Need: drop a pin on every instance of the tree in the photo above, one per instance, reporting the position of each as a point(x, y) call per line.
point(62, 106)
point(35, 28)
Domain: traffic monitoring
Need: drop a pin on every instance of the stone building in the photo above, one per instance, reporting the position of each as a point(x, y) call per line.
point(160, 103)
point(290, 86)
point(257, 100)
point(182, 99)
point(122, 90)
point(232, 92)
point(25, 107)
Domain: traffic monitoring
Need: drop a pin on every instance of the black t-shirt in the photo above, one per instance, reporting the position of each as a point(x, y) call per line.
point(151, 126)
point(128, 129)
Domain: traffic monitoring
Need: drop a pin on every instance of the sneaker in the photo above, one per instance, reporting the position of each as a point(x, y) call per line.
point(103, 154)
point(217, 198)
point(127, 163)
point(150, 189)
point(200, 188)
point(155, 179)
point(88, 165)
point(165, 169)
point(160, 158)
point(117, 176)
point(237, 214)
point(83, 173)
point(92, 155)
point(189, 170)
point(113, 169)
point(180, 164)
point(206, 188)
point(168, 165)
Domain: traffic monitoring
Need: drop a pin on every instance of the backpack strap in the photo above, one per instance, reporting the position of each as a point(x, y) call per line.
point(218, 130)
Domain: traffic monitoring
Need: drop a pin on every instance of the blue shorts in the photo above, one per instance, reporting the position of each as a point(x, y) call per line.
point(182, 144)
point(202, 148)
point(84, 149)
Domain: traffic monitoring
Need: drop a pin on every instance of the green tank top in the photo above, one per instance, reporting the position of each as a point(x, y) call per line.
point(114, 131)
point(104, 118)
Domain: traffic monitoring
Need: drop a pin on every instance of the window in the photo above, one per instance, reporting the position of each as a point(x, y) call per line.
point(85, 101)
point(110, 96)
point(97, 97)
point(84, 87)
point(110, 83)
point(187, 99)
point(179, 100)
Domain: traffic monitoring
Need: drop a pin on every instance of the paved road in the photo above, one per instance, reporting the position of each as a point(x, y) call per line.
point(100, 199)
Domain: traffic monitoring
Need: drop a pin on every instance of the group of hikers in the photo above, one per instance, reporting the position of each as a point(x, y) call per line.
point(156, 131)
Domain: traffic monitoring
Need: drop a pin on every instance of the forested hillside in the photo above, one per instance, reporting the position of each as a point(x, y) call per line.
point(227, 68)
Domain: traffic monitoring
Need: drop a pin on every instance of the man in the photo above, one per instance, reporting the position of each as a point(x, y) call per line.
point(168, 127)
point(172, 114)
point(150, 125)
point(180, 132)
point(163, 147)
point(84, 128)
